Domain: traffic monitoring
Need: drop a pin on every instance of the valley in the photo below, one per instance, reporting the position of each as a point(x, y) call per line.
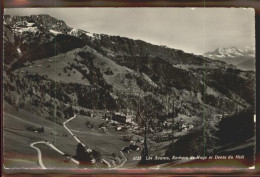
point(80, 100)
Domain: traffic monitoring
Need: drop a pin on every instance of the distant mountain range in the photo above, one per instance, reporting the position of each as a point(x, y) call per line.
point(241, 58)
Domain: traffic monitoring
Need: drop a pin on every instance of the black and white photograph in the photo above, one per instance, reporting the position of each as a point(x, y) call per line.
point(128, 88)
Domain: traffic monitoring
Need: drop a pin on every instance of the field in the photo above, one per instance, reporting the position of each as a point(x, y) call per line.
point(17, 140)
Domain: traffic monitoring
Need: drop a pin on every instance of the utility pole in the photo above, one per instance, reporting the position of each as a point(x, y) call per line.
point(173, 128)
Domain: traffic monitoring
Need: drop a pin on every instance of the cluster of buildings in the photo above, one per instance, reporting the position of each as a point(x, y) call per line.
point(178, 125)
point(182, 126)
point(165, 132)
point(125, 116)
point(219, 117)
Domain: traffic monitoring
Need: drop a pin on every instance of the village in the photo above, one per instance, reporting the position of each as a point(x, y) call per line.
point(122, 126)
point(125, 121)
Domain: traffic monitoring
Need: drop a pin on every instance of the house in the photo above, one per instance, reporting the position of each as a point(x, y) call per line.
point(184, 127)
point(217, 117)
point(162, 136)
point(190, 126)
point(124, 116)
point(140, 140)
point(131, 147)
point(126, 149)
point(108, 116)
point(113, 122)
point(136, 128)
point(103, 128)
point(120, 128)
point(127, 138)
point(121, 117)
point(134, 147)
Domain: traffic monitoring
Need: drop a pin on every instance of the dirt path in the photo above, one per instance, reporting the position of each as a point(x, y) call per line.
point(54, 148)
point(62, 153)
point(78, 141)
point(39, 153)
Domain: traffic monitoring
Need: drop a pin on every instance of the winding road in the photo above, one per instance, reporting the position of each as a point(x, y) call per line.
point(54, 148)
point(125, 160)
point(69, 157)
point(78, 141)
point(74, 136)
point(89, 150)
point(39, 153)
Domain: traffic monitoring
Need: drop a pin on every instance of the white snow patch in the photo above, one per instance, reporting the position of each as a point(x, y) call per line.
point(19, 51)
point(89, 34)
point(74, 31)
point(29, 24)
point(98, 36)
point(55, 32)
point(26, 29)
point(231, 52)
point(77, 32)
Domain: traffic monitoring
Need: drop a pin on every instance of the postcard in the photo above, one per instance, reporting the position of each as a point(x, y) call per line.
point(128, 88)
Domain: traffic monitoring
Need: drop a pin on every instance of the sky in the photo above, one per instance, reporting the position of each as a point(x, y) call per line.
point(193, 30)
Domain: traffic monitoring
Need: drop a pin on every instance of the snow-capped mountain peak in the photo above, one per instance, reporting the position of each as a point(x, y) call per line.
point(78, 32)
point(242, 58)
point(74, 31)
point(230, 52)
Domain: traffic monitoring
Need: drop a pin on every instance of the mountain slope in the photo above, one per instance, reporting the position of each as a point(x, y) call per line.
point(94, 71)
point(247, 65)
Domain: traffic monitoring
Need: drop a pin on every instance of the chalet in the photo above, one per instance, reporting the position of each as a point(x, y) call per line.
point(140, 140)
point(167, 123)
point(120, 128)
point(113, 122)
point(108, 116)
point(135, 127)
point(134, 124)
point(126, 149)
point(163, 136)
point(103, 128)
point(125, 116)
point(184, 127)
point(134, 147)
point(217, 117)
point(190, 126)
point(127, 138)
point(121, 117)
point(131, 147)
